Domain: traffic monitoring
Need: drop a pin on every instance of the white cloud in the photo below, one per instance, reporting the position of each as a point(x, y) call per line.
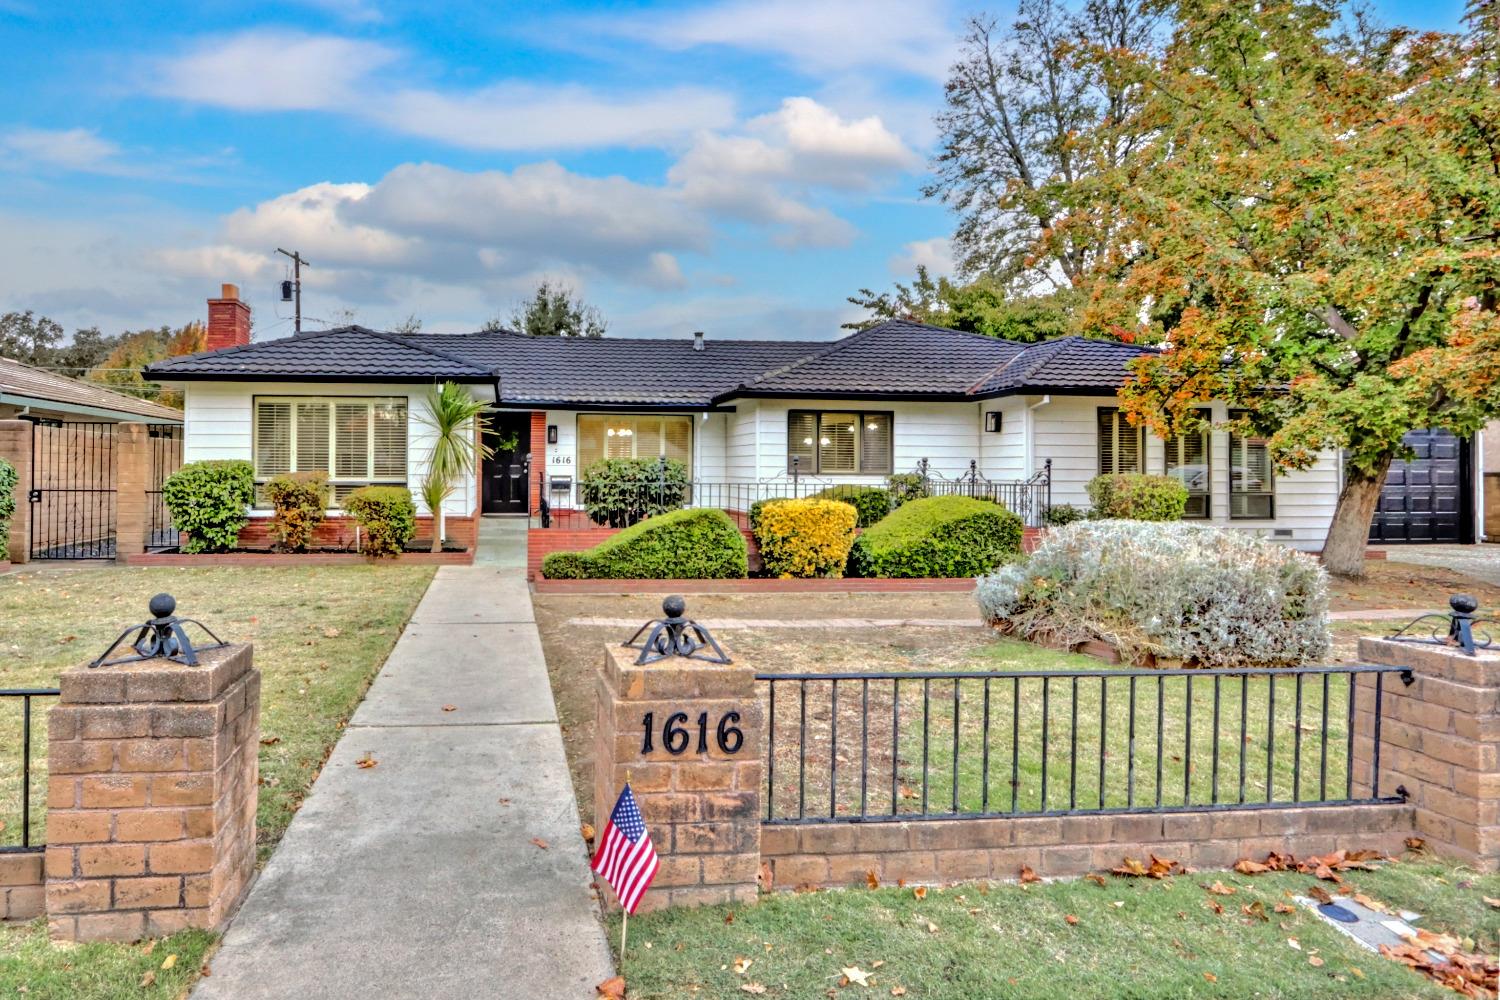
point(291, 71)
point(71, 149)
point(914, 37)
point(935, 254)
point(353, 11)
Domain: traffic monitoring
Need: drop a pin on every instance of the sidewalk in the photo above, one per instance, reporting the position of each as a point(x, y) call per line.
point(419, 876)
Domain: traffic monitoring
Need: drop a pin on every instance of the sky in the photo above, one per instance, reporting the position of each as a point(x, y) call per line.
point(733, 166)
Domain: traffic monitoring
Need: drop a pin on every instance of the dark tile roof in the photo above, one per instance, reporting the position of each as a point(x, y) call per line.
point(897, 358)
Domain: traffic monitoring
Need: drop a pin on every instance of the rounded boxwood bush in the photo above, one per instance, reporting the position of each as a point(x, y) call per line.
point(210, 502)
point(806, 538)
point(387, 515)
point(1215, 597)
point(300, 501)
point(871, 502)
point(618, 492)
point(950, 536)
point(7, 504)
point(1138, 497)
point(693, 544)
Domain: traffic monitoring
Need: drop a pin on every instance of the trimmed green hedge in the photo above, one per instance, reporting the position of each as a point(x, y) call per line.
point(210, 502)
point(871, 503)
point(618, 492)
point(905, 486)
point(7, 504)
point(1136, 497)
point(387, 515)
point(693, 544)
point(948, 536)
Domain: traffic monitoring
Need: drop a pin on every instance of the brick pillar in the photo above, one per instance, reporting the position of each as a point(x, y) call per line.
point(15, 448)
point(538, 460)
point(132, 469)
point(702, 807)
point(1440, 739)
point(151, 796)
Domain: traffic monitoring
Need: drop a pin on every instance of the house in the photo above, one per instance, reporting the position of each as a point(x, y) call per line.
point(1028, 423)
point(39, 394)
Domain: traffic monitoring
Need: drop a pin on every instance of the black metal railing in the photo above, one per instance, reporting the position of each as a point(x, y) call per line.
point(165, 444)
point(888, 746)
point(1028, 498)
point(72, 497)
point(28, 839)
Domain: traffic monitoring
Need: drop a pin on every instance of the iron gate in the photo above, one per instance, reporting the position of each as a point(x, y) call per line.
point(165, 444)
point(73, 490)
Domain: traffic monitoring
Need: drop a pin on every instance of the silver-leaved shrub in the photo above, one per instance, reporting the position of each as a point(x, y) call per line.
point(1210, 596)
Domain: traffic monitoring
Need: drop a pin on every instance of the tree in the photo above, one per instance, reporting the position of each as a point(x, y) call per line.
point(454, 418)
point(980, 306)
point(28, 338)
point(1313, 231)
point(1032, 113)
point(120, 369)
point(411, 324)
point(555, 310)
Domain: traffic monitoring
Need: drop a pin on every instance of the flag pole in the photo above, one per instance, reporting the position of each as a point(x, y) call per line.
point(624, 913)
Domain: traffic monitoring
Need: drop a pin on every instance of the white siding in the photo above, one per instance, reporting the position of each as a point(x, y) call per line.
point(741, 461)
point(710, 458)
point(1002, 456)
point(218, 421)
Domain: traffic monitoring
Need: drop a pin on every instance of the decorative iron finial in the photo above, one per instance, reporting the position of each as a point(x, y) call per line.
point(674, 634)
point(162, 636)
point(1457, 627)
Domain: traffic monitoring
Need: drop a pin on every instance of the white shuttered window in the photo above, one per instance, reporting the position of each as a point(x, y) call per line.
point(355, 441)
point(827, 443)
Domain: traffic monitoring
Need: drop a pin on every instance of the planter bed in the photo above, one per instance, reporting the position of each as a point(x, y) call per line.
point(325, 557)
point(768, 585)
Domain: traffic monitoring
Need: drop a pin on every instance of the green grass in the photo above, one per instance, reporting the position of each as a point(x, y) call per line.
point(1012, 941)
point(1261, 755)
point(320, 635)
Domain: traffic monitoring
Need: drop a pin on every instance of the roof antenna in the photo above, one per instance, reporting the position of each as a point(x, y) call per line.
point(697, 340)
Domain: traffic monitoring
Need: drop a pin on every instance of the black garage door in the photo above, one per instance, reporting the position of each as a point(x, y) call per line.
point(1427, 499)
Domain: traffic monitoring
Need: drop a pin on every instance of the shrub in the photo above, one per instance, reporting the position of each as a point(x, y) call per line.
point(758, 507)
point(1138, 497)
point(7, 504)
point(693, 544)
point(1216, 597)
point(939, 536)
point(904, 486)
point(387, 515)
point(210, 502)
point(1064, 513)
point(803, 538)
point(300, 500)
point(618, 492)
point(870, 502)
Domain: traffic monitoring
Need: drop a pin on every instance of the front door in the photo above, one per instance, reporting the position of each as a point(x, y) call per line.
point(506, 486)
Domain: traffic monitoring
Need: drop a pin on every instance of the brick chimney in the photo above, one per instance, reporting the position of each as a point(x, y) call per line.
point(228, 320)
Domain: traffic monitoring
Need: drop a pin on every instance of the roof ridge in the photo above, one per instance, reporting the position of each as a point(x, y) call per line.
point(833, 348)
point(220, 351)
point(401, 340)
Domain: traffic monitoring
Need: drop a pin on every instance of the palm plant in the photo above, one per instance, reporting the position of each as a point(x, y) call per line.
point(456, 421)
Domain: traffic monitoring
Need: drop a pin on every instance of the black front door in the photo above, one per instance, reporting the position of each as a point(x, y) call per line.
point(504, 473)
point(1427, 499)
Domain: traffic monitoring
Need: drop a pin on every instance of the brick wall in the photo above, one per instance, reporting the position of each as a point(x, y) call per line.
point(22, 896)
point(338, 532)
point(835, 854)
point(538, 451)
point(15, 448)
point(151, 796)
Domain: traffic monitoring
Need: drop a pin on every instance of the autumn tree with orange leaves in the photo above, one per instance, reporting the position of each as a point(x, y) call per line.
point(1313, 234)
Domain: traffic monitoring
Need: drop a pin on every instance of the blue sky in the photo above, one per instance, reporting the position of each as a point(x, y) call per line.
point(736, 166)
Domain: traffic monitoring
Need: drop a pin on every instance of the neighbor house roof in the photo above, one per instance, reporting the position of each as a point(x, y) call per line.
point(24, 386)
point(894, 359)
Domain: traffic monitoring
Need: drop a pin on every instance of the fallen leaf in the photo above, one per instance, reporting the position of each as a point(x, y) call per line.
point(588, 833)
point(270, 741)
point(1072, 920)
point(1256, 909)
point(1118, 903)
point(538, 841)
point(877, 963)
point(1028, 876)
point(1492, 902)
point(450, 708)
point(505, 802)
point(613, 989)
point(1294, 944)
point(741, 964)
point(168, 962)
point(855, 975)
point(1314, 961)
point(898, 991)
point(1211, 977)
point(932, 928)
point(1415, 843)
point(1220, 889)
point(366, 762)
point(765, 877)
point(728, 919)
point(1247, 867)
point(871, 879)
point(1095, 878)
point(332, 633)
point(919, 892)
point(1285, 908)
point(1319, 894)
point(149, 979)
point(756, 988)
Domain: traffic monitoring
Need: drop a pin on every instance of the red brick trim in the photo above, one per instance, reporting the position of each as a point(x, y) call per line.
point(848, 586)
point(538, 459)
point(465, 558)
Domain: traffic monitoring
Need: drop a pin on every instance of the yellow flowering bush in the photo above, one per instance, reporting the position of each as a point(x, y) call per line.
point(805, 538)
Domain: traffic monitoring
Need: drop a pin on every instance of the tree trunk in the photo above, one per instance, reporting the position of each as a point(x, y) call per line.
point(1349, 532)
point(437, 529)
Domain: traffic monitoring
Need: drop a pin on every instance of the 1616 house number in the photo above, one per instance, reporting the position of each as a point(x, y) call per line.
point(676, 737)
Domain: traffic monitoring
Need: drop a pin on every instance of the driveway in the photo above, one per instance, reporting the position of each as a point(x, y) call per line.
point(1479, 561)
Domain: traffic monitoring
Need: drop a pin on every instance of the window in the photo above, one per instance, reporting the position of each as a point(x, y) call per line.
point(838, 442)
point(627, 435)
point(1187, 460)
point(356, 441)
point(1122, 448)
point(1252, 491)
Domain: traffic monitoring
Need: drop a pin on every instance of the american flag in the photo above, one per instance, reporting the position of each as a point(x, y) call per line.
point(625, 857)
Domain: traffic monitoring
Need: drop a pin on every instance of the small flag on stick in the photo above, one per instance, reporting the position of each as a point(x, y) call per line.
point(625, 858)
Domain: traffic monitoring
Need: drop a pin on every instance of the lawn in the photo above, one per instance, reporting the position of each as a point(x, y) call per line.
point(320, 633)
point(1132, 938)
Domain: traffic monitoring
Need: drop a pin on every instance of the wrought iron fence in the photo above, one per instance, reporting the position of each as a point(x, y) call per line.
point(165, 443)
point(72, 496)
point(869, 747)
point(19, 808)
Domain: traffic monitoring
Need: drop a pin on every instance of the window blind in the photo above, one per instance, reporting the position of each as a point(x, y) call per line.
point(273, 439)
point(355, 441)
point(1252, 483)
point(1187, 459)
point(1121, 447)
point(839, 442)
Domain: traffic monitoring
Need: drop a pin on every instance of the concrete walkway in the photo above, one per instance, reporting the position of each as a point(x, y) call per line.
point(1482, 562)
point(419, 876)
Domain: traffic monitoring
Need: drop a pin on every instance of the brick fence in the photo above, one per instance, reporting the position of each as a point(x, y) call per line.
point(1440, 749)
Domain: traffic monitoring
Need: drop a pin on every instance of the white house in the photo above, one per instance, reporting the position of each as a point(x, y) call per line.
point(755, 418)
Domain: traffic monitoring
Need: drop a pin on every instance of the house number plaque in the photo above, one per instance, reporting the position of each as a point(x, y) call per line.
point(676, 736)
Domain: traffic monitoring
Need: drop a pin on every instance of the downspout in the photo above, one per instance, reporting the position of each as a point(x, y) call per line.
point(1030, 431)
